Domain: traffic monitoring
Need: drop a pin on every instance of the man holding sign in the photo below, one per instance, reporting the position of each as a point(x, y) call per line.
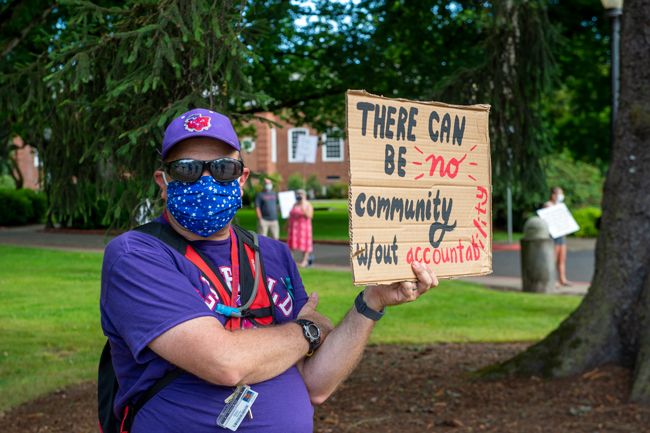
point(224, 309)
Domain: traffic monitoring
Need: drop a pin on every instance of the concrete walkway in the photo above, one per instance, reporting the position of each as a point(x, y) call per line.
point(505, 259)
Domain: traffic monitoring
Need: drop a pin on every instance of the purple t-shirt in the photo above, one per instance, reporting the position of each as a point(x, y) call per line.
point(148, 288)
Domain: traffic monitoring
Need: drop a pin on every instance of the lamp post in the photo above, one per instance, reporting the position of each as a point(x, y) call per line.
point(614, 10)
point(45, 181)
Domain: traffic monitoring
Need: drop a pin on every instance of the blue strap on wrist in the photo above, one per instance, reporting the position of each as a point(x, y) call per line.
point(365, 310)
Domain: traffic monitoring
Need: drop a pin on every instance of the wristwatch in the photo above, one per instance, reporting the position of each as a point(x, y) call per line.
point(311, 332)
point(365, 310)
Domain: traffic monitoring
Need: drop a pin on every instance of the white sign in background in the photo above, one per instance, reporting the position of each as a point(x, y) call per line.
point(287, 199)
point(559, 220)
point(306, 149)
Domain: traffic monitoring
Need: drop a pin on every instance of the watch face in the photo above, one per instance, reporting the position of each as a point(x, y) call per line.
point(312, 331)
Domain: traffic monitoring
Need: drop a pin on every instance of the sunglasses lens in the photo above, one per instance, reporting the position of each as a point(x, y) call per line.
point(185, 170)
point(226, 169)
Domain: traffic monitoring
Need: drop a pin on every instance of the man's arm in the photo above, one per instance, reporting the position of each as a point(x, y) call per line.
point(204, 348)
point(258, 205)
point(340, 353)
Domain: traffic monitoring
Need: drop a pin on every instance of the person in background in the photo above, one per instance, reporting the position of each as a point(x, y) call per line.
point(557, 196)
point(299, 231)
point(266, 207)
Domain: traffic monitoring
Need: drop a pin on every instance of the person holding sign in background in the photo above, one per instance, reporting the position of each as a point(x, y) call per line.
point(299, 231)
point(181, 295)
point(557, 196)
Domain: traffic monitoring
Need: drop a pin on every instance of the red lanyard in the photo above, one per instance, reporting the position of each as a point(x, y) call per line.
point(194, 257)
point(228, 298)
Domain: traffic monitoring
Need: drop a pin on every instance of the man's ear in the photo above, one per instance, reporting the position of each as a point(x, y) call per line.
point(242, 179)
point(158, 177)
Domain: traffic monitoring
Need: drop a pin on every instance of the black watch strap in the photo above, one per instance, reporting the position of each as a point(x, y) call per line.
point(365, 310)
point(313, 340)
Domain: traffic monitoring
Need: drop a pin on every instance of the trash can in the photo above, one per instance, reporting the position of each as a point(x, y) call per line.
point(537, 257)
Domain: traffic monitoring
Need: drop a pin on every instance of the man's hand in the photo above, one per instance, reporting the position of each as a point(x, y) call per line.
point(309, 312)
point(378, 297)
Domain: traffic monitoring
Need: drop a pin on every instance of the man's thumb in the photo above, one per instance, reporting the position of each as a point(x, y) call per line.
point(312, 302)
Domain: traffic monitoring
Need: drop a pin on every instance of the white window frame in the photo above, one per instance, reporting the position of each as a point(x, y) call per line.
point(341, 148)
point(290, 148)
point(274, 145)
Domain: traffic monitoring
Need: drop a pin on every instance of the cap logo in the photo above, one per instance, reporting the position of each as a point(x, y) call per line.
point(197, 123)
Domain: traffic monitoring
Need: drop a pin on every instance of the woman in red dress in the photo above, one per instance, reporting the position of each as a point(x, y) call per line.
point(299, 227)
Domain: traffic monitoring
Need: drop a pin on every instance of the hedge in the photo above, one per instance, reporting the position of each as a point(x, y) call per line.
point(21, 206)
point(587, 218)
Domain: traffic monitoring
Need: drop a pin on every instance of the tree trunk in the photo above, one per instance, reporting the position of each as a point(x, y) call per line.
point(612, 325)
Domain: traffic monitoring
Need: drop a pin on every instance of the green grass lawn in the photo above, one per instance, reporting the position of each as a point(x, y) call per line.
point(50, 334)
point(502, 236)
point(330, 221)
point(49, 321)
point(455, 311)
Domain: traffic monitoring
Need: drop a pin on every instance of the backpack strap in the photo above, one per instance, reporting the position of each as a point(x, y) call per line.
point(251, 239)
point(249, 284)
point(166, 234)
point(107, 387)
point(168, 378)
point(130, 411)
point(171, 237)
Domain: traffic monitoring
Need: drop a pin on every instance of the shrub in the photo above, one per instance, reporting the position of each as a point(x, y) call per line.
point(295, 181)
point(38, 204)
point(337, 190)
point(582, 183)
point(249, 192)
point(7, 182)
point(255, 184)
point(586, 219)
point(16, 207)
point(313, 185)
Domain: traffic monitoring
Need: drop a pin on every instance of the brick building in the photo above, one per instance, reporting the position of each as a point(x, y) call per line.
point(273, 150)
point(27, 161)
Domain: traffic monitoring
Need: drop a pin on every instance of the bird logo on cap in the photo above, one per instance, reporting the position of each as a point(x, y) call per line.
point(197, 123)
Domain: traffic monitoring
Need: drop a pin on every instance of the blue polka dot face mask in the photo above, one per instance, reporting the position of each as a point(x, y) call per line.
point(203, 207)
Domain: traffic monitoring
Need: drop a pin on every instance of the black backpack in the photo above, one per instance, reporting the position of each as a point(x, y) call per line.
point(107, 385)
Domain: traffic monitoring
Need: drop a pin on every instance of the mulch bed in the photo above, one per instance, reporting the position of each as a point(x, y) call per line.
point(417, 389)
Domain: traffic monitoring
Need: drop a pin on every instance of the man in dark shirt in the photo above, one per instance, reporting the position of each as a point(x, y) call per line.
point(266, 206)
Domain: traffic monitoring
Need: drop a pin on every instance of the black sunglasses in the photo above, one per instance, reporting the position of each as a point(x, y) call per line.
point(190, 170)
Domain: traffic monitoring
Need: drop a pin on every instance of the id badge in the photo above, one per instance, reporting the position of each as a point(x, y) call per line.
point(237, 406)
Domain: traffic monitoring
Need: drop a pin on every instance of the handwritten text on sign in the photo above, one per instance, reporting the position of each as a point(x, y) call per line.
point(420, 188)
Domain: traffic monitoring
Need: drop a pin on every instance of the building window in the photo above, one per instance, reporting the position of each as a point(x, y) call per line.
point(292, 142)
point(274, 145)
point(333, 147)
point(248, 144)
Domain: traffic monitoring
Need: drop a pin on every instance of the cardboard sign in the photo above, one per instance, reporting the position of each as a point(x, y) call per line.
point(287, 199)
point(306, 149)
point(420, 188)
point(559, 220)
